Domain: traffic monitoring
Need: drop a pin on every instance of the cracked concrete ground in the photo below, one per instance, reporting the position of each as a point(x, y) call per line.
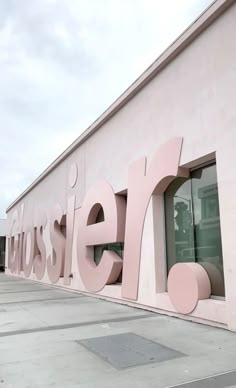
point(41, 328)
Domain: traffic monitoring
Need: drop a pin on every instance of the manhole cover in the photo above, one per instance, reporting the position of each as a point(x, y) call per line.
point(129, 349)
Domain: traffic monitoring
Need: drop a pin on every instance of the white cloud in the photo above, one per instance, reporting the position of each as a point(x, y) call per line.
point(63, 62)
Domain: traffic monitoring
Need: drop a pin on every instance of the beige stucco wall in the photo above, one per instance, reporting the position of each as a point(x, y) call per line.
point(193, 97)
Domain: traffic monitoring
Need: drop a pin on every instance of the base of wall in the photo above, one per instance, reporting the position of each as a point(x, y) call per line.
point(129, 303)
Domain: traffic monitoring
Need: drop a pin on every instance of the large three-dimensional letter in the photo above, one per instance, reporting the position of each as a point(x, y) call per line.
point(21, 238)
point(13, 242)
point(142, 183)
point(29, 249)
point(40, 258)
point(70, 214)
point(90, 233)
point(55, 261)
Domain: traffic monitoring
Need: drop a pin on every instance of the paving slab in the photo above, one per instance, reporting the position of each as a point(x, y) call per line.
point(22, 286)
point(43, 333)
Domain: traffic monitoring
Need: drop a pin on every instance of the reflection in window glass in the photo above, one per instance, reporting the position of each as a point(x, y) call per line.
point(206, 215)
point(193, 224)
point(99, 249)
point(116, 247)
point(179, 222)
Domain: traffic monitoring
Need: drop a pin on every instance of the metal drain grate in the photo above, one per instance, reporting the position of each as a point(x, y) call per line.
point(128, 349)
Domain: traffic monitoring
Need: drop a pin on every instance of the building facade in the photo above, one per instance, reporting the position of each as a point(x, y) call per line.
point(141, 209)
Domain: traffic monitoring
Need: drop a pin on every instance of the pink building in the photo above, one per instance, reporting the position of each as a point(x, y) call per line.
point(141, 209)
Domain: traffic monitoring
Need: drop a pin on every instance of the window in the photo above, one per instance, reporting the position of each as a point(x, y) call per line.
point(116, 247)
point(193, 224)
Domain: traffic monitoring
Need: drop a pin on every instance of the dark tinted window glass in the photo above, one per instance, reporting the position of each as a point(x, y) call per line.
point(193, 224)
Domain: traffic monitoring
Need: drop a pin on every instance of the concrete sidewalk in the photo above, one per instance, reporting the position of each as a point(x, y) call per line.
point(55, 338)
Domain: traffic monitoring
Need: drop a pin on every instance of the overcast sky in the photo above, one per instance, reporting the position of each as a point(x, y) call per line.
point(62, 62)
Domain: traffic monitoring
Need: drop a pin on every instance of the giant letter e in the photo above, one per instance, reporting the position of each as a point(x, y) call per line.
point(142, 183)
point(90, 233)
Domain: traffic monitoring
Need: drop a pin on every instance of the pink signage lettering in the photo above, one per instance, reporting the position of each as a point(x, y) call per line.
point(123, 223)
